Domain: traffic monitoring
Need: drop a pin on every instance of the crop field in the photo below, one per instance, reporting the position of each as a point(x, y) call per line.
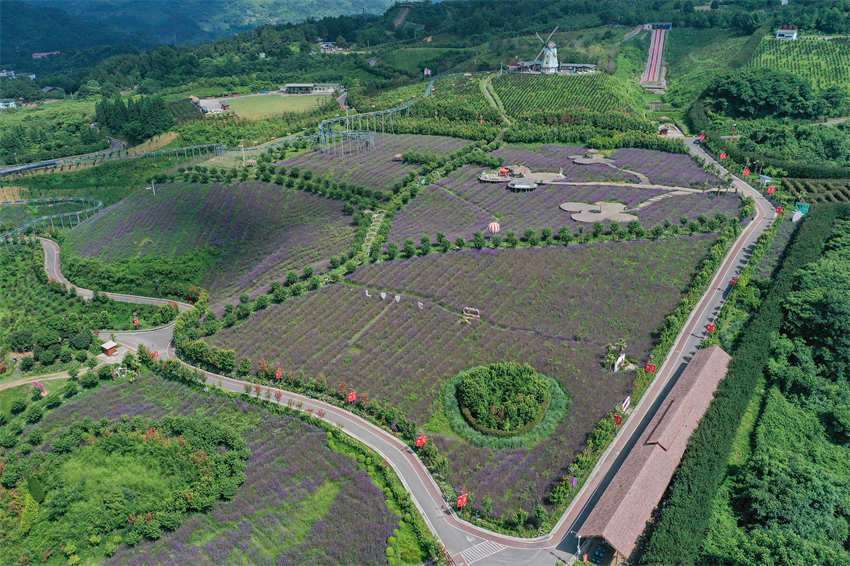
point(388, 98)
point(298, 496)
point(374, 169)
point(460, 205)
point(457, 98)
point(259, 106)
point(554, 308)
point(260, 229)
point(825, 62)
point(599, 92)
point(818, 190)
point(665, 168)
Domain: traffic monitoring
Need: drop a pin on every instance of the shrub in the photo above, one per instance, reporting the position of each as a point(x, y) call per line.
point(89, 380)
point(18, 406)
point(33, 414)
point(27, 363)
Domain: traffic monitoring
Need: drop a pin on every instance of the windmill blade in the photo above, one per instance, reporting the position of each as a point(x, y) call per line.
point(537, 58)
point(552, 33)
point(540, 38)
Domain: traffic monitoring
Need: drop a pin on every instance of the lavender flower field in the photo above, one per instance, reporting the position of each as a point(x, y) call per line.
point(375, 169)
point(460, 205)
point(298, 497)
point(555, 157)
point(261, 230)
point(554, 308)
point(665, 168)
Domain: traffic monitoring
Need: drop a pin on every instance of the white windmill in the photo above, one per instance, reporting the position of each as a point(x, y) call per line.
point(549, 52)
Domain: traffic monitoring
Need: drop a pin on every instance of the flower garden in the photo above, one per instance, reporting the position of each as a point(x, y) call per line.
point(298, 490)
point(665, 168)
point(374, 169)
point(553, 308)
point(460, 204)
point(259, 230)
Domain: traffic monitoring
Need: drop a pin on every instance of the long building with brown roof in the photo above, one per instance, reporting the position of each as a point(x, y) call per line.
point(621, 514)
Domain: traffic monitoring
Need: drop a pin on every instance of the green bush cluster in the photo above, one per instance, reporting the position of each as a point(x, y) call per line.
point(677, 534)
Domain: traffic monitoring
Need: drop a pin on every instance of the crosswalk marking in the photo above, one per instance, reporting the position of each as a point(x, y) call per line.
point(481, 551)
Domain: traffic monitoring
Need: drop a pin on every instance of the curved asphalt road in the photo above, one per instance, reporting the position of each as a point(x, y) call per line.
point(468, 543)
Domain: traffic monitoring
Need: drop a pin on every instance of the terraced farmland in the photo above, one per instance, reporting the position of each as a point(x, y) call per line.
point(599, 92)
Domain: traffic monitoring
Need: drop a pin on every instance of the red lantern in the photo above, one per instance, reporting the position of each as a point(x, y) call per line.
point(746, 172)
point(136, 322)
point(710, 327)
point(277, 374)
point(771, 190)
point(352, 397)
point(651, 367)
point(702, 137)
point(462, 500)
point(723, 155)
point(421, 441)
point(780, 209)
point(155, 355)
point(618, 420)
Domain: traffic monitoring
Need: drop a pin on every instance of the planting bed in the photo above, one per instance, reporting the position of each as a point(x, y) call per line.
point(818, 190)
point(554, 308)
point(461, 205)
point(374, 169)
point(555, 157)
point(261, 230)
point(665, 168)
point(298, 494)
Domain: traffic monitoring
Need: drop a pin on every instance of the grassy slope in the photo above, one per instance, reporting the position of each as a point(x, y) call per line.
point(255, 107)
point(825, 63)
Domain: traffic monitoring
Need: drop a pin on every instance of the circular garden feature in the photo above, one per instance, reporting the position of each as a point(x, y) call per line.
point(504, 405)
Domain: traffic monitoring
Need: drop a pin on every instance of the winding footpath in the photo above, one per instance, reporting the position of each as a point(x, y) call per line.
point(467, 543)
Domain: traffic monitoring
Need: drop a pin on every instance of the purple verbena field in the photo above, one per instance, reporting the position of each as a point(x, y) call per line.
point(554, 157)
point(299, 494)
point(261, 229)
point(554, 308)
point(460, 205)
point(375, 169)
point(665, 168)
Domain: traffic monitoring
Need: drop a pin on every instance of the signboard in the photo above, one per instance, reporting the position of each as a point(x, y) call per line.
point(723, 155)
point(277, 374)
point(352, 397)
point(802, 207)
point(462, 500)
point(765, 179)
point(421, 441)
point(702, 137)
point(618, 420)
point(710, 327)
point(136, 322)
point(746, 172)
point(155, 355)
point(574, 482)
point(771, 190)
point(651, 367)
point(780, 209)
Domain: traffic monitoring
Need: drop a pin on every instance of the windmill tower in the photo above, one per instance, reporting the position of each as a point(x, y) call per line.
point(549, 52)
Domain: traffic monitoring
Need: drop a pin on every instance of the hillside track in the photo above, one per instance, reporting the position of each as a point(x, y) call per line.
point(467, 543)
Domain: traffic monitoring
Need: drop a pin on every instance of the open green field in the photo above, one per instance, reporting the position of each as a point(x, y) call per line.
point(259, 106)
point(824, 62)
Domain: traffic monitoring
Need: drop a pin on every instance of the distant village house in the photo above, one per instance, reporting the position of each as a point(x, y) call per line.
point(43, 54)
point(311, 88)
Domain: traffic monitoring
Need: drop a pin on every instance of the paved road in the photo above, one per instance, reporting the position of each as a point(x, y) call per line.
point(468, 543)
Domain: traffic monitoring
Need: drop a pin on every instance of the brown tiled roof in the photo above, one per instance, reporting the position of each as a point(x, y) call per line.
point(622, 511)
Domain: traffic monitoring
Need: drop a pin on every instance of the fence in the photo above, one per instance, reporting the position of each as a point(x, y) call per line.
point(23, 228)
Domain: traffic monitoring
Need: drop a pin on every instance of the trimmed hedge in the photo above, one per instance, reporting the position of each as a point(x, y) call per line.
point(545, 425)
point(677, 534)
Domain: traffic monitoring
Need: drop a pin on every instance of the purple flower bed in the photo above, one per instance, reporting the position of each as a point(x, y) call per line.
point(554, 308)
point(375, 169)
point(461, 205)
point(553, 157)
point(289, 462)
point(261, 230)
point(665, 168)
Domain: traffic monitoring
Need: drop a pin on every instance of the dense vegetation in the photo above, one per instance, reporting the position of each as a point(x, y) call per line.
point(136, 119)
point(96, 484)
point(824, 62)
point(678, 533)
point(502, 398)
point(35, 313)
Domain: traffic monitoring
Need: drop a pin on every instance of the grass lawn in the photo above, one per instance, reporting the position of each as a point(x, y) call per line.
point(23, 392)
point(254, 107)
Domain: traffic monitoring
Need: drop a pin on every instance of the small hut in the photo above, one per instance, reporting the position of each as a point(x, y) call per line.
point(109, 347)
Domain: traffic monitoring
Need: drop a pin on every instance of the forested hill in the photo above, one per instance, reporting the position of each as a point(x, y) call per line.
point(27, 29)
point(195, 21)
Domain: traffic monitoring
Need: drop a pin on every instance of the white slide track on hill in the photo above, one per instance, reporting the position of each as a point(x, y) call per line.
point(467, 543)
point(652, 71)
